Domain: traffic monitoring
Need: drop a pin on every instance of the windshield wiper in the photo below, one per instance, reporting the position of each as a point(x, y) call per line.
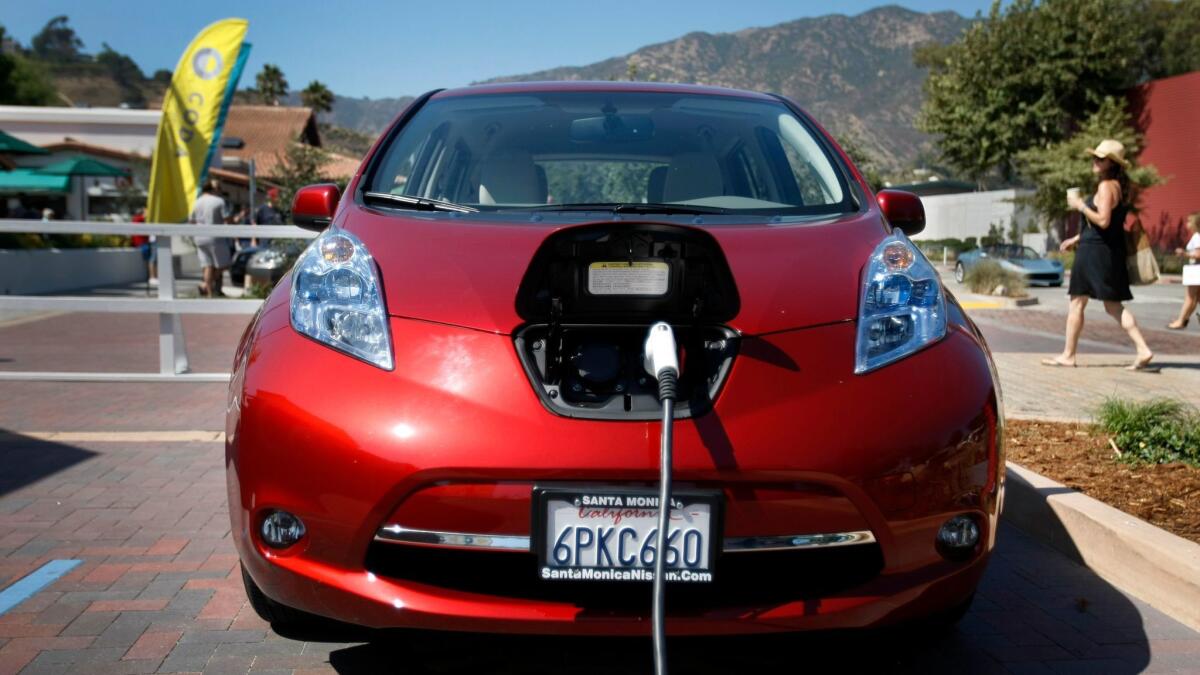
point(418, 203)
point(632, 207)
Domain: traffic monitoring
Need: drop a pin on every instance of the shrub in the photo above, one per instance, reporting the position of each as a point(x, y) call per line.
point(1169, 263)
point(1067, 258)
point(988, 275)
point(932, 248)
point(30, 241)
point(1158, 431)
point(258, 290)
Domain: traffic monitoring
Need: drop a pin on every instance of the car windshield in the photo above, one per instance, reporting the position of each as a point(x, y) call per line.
point(637, 151)
point(1014, 252)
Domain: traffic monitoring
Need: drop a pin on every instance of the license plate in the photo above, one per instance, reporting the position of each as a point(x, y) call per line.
point(610, 534)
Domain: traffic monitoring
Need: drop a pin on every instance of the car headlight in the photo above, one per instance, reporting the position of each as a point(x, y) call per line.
point(902, 308)
point(336, 298)
point(268, 258)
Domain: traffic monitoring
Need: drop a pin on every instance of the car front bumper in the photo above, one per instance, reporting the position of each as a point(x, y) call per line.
point(796, 441)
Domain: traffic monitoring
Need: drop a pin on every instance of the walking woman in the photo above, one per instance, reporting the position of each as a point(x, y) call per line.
point(1099, 271)
point(1192, 255)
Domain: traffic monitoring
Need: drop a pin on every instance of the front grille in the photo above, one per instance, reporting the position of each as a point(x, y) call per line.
point(741, 579)
point(1044, 276)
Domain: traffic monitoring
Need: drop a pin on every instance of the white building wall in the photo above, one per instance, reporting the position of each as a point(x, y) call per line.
point(970, 214)
point(116, 128)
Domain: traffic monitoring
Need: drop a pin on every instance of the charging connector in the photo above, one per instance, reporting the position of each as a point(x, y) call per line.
point(662, 361)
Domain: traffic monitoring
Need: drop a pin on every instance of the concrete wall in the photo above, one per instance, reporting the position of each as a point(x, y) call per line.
point(57, 270)
point(970, 214)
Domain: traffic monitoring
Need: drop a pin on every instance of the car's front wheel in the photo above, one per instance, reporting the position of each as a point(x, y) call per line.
point(281, 617)
point(960, 272)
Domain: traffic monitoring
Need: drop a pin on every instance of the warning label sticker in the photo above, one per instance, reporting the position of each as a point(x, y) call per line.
point(628, 278)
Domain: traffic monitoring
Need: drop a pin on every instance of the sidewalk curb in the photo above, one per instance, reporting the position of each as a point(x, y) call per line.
point(980, 301)
point(1147, 562)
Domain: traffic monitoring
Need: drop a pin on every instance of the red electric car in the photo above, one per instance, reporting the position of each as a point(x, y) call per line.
point(441, 417)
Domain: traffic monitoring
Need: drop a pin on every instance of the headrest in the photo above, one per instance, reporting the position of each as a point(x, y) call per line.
point(692, 175)
point(656, 184)
point(510, 178)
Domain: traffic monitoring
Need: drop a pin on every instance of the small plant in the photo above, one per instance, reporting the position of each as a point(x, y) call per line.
point(1157, 431)
point(257, 290)
point(988, 277)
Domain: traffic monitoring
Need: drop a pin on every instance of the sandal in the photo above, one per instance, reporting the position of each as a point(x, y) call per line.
point(203, 291)
point(1055, 363)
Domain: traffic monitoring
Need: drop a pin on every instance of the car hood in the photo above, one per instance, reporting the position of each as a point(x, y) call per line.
point(1033, 265)
point(466, 271)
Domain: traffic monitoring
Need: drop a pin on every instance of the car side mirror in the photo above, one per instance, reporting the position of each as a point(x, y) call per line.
point(314, 205)
point(903, 210)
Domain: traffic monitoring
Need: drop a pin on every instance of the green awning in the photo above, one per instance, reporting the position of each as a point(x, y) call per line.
point(11, 145)
point(28, 180)
point(82, 166)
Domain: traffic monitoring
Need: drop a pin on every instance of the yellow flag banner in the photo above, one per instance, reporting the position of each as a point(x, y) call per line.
point(193, 112)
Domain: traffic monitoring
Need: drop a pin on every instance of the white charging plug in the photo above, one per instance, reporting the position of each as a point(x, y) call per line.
point(660, 351)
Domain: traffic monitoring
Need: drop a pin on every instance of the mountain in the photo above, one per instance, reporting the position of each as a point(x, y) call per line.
point(366, 115)
point(854, 74)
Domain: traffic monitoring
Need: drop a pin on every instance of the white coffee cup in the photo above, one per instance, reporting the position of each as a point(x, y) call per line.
point(1072, 193)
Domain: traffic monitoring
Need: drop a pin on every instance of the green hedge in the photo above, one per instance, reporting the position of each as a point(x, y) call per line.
point(30, 240)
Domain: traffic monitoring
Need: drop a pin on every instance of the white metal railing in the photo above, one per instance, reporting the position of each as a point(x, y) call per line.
point(172, 350)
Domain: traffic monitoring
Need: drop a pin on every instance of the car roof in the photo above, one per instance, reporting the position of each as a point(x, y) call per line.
point(649, 87)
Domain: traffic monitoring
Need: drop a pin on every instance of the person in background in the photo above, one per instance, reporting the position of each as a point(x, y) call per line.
point(268, 213)
point(213, 251)
point(1099, 270)
point(145, 244)
point(17, 209)
point(47, 215)
point(240, 217)
point(1192, 255)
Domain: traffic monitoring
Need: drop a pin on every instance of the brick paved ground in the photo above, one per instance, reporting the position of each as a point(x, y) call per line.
point(158, 591)
point(1020, 339)
point(114, 342)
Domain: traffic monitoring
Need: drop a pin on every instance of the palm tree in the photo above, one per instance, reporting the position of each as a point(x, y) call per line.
point(271, 84)
point(317, 96)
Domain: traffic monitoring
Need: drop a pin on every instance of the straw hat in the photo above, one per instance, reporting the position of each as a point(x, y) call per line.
point(1110, 149)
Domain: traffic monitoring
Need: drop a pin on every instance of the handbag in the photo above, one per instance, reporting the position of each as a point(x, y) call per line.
point(1142, 265)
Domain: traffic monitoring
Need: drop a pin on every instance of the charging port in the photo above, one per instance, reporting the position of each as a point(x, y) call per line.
point(595, 371)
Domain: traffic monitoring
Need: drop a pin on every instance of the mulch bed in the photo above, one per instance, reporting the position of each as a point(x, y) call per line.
point(1079, 456)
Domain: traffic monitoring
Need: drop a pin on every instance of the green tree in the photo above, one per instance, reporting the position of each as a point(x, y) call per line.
point(270, 84)
point(23, 82)
point(57, 42)
point(300, 166)
point(1172, 38)
point(863, 159)
point(1054, 167)
point(318, 97)
point(1026, 75)
point(125, 72)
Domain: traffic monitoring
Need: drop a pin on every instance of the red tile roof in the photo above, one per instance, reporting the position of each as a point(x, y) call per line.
point(268, 132)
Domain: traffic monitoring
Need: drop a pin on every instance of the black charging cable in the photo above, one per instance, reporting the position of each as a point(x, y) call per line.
point(662, 361)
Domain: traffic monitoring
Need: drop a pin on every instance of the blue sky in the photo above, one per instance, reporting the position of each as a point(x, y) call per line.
point(376, 48)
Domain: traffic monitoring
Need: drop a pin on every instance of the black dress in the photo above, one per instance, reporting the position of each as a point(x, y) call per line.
point(1099, 271)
